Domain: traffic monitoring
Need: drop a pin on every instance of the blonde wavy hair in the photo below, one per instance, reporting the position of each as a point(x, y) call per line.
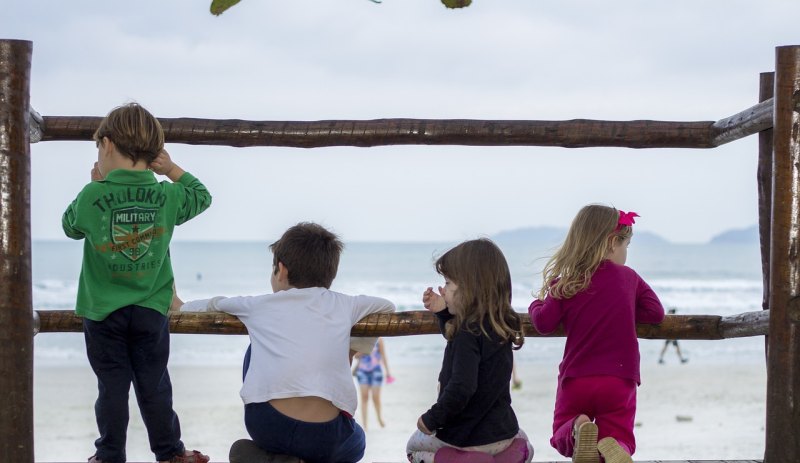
point(480, 270)
point(592, 233)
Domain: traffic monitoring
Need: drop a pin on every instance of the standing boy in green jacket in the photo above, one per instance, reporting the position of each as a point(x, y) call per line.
point(126, 219)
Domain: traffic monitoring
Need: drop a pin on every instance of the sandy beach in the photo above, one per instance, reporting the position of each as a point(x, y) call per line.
point(697, 411)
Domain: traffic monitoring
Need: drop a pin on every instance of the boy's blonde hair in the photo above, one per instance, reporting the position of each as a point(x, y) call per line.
point(480, 270)
point(593, 231)
point(135, 132)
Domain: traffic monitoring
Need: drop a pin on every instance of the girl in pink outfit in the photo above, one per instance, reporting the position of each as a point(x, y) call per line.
point(588, 289)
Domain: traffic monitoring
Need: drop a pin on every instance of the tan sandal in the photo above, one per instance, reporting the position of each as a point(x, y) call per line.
point(585, 449)
point(612, 451)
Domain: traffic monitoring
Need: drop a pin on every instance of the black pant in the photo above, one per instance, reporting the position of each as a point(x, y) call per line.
point(132, 346)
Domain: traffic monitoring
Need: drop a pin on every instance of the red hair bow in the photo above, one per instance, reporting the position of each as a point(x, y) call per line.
point(626, 219)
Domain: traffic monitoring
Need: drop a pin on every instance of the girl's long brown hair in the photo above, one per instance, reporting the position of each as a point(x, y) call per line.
point(590, 236)
point(480, 270)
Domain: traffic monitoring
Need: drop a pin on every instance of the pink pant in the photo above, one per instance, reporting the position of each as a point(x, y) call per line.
point(609, 401)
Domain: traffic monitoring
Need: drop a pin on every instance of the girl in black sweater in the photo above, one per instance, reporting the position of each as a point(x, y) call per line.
point(472, 419)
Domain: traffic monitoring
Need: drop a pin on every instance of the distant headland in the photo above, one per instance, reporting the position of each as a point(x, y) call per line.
point(552, 236)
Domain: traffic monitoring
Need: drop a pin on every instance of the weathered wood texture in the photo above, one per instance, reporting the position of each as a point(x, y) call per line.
point(576, 133)
point(783, 366)
point(764, 184)
point(16, 335)
point(750, 121)
point(423, 322)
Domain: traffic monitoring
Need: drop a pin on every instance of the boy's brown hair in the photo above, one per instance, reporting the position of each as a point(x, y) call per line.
point(135, 132)
point(310, 253)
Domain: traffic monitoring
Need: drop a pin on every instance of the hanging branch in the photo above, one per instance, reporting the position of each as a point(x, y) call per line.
point(220, 6)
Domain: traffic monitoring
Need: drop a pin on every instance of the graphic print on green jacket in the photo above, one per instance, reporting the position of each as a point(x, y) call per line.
point(126, 222)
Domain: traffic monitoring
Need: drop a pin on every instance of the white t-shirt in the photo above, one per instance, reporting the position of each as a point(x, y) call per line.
point(300, 342)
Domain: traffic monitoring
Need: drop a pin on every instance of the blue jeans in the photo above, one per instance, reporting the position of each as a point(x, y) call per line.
point(340, 440)
point(132, 346)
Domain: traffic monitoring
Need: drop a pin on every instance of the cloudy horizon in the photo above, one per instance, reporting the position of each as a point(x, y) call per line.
point(354, 59)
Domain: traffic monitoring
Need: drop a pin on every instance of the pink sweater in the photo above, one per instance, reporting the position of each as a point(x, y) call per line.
point(600, 323)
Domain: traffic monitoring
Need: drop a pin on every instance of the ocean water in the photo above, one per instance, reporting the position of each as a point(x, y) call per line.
point(694, 279)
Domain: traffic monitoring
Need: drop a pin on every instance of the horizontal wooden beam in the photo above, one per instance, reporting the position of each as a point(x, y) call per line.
point(577, 133)
point(423, 322)
point(748, 122)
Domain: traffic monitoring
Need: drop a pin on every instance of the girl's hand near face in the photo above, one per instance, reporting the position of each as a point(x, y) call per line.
point(432, 301)
point(423, 429)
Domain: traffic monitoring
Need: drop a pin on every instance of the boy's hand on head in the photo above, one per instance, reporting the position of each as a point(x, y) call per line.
point(162, 164)
point(432, 301)
point(95, 174)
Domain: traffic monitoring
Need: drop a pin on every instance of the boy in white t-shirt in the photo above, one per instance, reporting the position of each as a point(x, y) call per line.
point(298, 389)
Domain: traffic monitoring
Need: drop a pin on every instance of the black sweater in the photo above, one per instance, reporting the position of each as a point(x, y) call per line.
point(474, 404)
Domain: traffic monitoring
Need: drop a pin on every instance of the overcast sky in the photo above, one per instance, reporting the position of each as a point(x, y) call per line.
point(354, 59)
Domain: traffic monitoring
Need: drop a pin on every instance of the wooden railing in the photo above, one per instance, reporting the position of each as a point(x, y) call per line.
point(775, 118)
point(578, 133)
point(416, 322)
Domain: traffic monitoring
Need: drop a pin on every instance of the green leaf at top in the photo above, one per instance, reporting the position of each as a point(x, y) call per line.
point(219, 6)
point(456, 3)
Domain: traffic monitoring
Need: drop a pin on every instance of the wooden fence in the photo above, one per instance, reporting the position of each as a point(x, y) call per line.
point(776, 118)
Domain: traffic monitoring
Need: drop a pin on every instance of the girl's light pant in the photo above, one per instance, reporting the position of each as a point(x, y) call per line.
point(421, 447)
point(607, 400)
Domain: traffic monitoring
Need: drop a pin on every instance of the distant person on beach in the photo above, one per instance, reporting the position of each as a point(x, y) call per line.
point(126, 219)
point(369, 371)
point(588, 289)
point(516, 383)
point(674, 342)
point(298, 392)
point(472, 419)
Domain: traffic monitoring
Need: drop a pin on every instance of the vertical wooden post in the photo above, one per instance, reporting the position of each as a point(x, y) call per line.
point(764, 178)
point(16, 317)
point(783, 366)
